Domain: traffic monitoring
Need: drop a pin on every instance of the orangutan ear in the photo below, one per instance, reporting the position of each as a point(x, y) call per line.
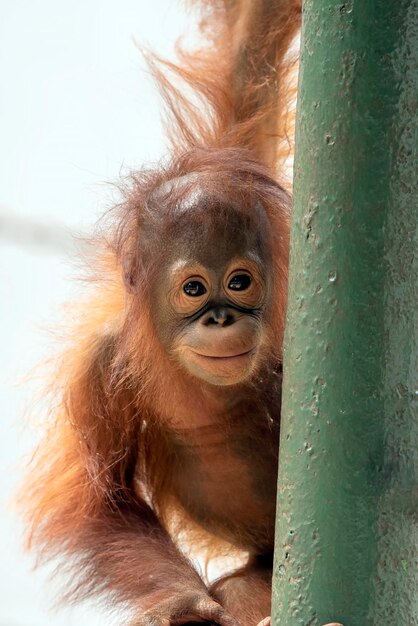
point(130, 271)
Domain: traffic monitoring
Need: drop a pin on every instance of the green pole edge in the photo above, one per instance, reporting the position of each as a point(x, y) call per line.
point(347, 521)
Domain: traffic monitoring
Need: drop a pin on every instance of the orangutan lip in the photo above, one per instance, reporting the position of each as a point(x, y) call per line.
point(226, 357)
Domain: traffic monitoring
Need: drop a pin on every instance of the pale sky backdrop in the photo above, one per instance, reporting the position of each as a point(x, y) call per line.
point(76, 108)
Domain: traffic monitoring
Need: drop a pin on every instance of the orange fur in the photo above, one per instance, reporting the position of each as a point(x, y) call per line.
point(243, 79)
point(101, 475)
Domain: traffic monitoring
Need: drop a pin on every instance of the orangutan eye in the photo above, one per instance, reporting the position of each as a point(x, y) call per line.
point(240, 282)
point(194, 288)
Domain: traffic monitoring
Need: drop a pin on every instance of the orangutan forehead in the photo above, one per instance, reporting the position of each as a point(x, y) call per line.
point(195, 193)
point(189, 221)
point(204, 221)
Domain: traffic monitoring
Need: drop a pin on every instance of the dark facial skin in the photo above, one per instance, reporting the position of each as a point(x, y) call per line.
point(211, 293)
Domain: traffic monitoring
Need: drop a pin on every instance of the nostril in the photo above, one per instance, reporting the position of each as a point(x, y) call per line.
point(227, 321)
point(218, 318)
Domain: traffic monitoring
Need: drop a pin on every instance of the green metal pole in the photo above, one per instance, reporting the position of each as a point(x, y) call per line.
point(347, 527)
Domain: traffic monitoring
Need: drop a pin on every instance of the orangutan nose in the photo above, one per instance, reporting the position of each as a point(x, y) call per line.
point(219, 316)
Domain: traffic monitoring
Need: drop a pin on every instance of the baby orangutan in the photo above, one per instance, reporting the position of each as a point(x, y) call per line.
point(168, 408)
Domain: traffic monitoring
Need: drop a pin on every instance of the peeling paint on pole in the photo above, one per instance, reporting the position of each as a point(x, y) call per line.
point(347, 528)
